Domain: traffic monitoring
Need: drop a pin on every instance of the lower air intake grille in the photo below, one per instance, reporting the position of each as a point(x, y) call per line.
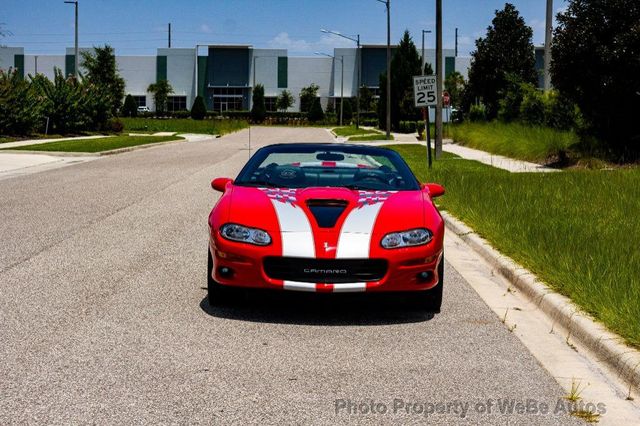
point(325, 270)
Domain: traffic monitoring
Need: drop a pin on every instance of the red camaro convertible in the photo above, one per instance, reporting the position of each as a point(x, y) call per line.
point(326, 218)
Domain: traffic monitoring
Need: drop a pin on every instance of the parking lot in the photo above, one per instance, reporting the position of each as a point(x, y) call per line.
point(104, 319)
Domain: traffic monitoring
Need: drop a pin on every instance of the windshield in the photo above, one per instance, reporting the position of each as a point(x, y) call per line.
point(327, 165)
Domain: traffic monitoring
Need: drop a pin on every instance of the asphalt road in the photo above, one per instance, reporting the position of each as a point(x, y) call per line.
point(104, 319)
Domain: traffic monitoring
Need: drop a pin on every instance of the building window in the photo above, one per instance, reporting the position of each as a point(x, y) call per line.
point(270, 103)
point(141, 101)
point(228, 98)
point(176, 103)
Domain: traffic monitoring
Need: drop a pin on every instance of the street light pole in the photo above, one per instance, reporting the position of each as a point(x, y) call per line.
point(75, 3)
point(358, 64)
point(423, 58)
point(388, 4)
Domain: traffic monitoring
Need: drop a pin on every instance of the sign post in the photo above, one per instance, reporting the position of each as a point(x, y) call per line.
point(425, 95)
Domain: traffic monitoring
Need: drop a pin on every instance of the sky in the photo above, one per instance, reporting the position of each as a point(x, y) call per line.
point(139, 27)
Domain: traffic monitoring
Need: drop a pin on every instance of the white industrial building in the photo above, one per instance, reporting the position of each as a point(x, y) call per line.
point(225, 75)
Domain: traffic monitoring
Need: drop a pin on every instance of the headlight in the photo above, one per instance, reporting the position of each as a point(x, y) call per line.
point(243, 234)
point(412, 237)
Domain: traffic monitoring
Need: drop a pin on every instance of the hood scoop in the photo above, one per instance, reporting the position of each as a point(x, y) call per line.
point(327, 212)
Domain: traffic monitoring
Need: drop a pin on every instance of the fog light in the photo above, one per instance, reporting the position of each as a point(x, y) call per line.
point(425, 276)
point(225, 272)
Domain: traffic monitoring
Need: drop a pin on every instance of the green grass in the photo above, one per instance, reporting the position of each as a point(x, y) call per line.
point(577, 230)
point(5, 139)
point(183, 125)
point(514, 140)
point(378, 137)
point(352, 131)
point(96, 145)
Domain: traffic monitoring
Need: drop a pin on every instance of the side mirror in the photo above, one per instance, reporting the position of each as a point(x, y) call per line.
point(435, 190)
point(219, 184)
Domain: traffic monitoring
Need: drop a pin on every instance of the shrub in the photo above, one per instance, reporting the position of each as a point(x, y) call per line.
point(258, 110)
point(315, 112)
point(532, 106)
point(199, 109)
point(347, 111)
point(509, 104)
point(130, 108)
point(478, 112)
point(559, 112)
point(115, 125)
point(20, 109)
point(407, 127)
point(307, 97)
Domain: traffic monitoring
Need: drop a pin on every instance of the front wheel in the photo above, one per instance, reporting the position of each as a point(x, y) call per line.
point(217, 293)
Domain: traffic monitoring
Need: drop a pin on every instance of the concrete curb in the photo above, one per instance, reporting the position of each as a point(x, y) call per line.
point(93, 154)
point(607, 346)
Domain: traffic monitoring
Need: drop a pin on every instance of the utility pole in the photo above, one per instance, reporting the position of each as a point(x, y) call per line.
point(424, 61)
point(341, 87)
point(456, 51)
point(169, 35)
point(438, 78)
point(75, 3)
point(548, 35)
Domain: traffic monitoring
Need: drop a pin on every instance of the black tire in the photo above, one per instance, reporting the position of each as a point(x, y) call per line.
point(433, 297)
point(217, 293)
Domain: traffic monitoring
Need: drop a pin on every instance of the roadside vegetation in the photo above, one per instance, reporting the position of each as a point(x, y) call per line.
point(183, 125)
point(96, 145)
point(515, 140)
point(575, 230)
point(353, 131)
point(378, 137)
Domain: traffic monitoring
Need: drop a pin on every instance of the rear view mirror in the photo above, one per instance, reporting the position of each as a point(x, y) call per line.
point(329, 156)
point(435, 190)
point(219, 184)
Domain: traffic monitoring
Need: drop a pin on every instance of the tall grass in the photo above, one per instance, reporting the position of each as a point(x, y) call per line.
point(577, 230)
point(184, 125)
point(515, 140)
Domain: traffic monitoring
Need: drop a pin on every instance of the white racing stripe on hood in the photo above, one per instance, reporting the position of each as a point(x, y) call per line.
point(295, 230)
point(355, 235)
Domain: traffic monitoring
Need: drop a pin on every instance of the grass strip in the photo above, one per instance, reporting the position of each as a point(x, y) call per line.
point(96, 145)
point(353, 131)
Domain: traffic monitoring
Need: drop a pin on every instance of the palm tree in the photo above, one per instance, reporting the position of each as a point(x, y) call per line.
point(160, 90)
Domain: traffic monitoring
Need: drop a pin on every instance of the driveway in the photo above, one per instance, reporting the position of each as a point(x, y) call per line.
point(104, 319)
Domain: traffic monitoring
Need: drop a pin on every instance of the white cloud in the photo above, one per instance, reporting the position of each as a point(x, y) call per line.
point(205, 29)
point(465, 41)
point(325, 43)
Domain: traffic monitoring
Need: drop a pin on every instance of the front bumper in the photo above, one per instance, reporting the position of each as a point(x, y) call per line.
point(243, 265)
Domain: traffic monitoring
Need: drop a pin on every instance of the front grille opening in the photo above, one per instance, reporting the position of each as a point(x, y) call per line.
point(333, 271)
point(327, 212)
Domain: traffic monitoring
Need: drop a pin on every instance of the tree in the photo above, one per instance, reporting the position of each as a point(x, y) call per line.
point(20, 108)
point(454, 84)
point(284, 101)
point(198, 109)
point(366, 99)
point(315, 112)
point(65, 101)
point(511, 98)
point(428, 69)
point(103, 75)
point(130, 108)
point(160, 91)
point(506, 49)
point(595, 64)
point(347, 113)
point(258, 110)
point(307, 97)
point(405, 64)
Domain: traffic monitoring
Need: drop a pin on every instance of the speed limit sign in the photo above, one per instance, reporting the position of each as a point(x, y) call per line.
point(424, 90)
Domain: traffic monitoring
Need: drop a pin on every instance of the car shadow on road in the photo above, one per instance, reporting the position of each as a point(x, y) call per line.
point(319, 309)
